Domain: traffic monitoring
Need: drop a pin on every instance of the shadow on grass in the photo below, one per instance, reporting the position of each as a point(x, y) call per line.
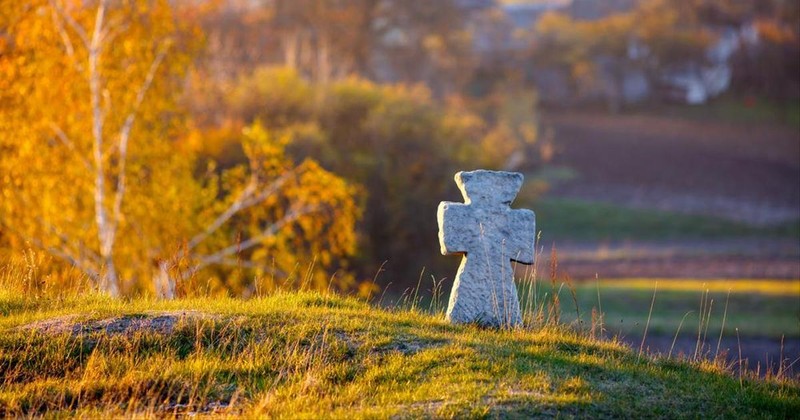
point(345, 358)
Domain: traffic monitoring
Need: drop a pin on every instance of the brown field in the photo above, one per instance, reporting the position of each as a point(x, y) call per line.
point(736, 172)
point(743, 172)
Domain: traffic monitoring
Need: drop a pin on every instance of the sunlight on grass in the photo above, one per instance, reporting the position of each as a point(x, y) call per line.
point(761, 286)
point(310, 355)
point(756, 307)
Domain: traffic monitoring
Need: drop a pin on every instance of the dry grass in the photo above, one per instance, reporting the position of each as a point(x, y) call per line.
point(311, 355)
point(769, 287)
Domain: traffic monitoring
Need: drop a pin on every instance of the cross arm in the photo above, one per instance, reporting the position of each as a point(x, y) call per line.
point(453, 230)
point(522, 244)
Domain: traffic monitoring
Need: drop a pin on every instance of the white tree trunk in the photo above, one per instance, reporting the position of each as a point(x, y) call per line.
point(105, 229)
point(290, 49)
point(323, 61)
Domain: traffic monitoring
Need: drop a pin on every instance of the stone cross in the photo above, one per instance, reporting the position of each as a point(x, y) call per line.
point(489, 235)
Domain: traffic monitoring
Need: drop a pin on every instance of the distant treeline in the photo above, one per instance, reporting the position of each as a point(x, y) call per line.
point(158, 147)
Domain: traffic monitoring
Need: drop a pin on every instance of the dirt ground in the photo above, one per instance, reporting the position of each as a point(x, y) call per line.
point(745, 173)
point(769, 258)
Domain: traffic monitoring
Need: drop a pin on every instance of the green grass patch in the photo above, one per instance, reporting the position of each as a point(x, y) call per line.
point(757, 308)
point(734, 110)
point(309, 355)
point(584, 220)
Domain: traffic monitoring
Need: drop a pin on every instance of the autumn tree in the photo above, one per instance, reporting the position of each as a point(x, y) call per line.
point(327, 40)
point(76, 111)
point(397, 141)
point(768, 65)
point(92, 174)
point(769, 44)
point(272, 218)
point(674, 32)
point(651, 36)
point(424, 42)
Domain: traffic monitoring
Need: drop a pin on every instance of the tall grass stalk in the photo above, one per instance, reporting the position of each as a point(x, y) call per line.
point(416, 290)
point(741, 368)
point(676, 334)
point(436, 306)
point(705, 330)
point(531, 314)
point(599, 304)
point(780, 362)
point(574, 295)
point(647, 325)
point(375, 281)
point(722, 328)
point(554, 313)
point(703, 296)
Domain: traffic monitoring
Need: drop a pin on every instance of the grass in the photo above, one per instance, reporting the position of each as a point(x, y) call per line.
point(757, 308)
point(584, 220)
point(736, 286)
point(734, 110)
point(309, 355)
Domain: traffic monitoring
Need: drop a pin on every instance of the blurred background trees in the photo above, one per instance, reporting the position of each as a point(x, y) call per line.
point(94, 175)
point(87, 105)
point(687, 51)
point(398, 143)
point(236, 143)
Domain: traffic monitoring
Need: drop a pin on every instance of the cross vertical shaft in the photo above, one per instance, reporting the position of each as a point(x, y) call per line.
point(489, 235)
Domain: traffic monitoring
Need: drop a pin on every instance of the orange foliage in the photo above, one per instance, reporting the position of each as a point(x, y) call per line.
point(93, 175)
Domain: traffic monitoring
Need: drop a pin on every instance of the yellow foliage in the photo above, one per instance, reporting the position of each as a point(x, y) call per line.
point(93, 174)
point(773, 32)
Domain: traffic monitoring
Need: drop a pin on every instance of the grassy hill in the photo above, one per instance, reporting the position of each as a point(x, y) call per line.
point(311, 355)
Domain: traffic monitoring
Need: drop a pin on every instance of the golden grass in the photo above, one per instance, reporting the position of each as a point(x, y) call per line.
point(761, 286)
point(315, 355)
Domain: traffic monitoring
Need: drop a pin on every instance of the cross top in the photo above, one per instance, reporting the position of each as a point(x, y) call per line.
point(489, 235)
point(491, 187)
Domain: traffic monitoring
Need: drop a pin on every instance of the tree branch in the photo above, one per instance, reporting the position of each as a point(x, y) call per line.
point(245, 200)
point(249, 264)
point(267, 233)
point(65, 39)
point(67, 257)
point(62, 253)
point(97, 32)
point(114, 28)
point(124, 136)
point(65, 253)
point(71, 22)
point(70, 144)
point(65, 243)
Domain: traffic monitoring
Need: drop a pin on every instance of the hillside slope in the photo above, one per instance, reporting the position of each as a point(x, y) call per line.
point(309, 355)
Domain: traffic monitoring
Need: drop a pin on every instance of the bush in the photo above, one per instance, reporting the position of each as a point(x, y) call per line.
point(397, 142)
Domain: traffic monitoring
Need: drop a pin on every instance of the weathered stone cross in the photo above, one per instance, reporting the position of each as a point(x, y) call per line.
point(490, 234)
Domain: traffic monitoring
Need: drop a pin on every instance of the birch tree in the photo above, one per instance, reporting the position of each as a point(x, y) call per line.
point(84, 89)
point(90, 170)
